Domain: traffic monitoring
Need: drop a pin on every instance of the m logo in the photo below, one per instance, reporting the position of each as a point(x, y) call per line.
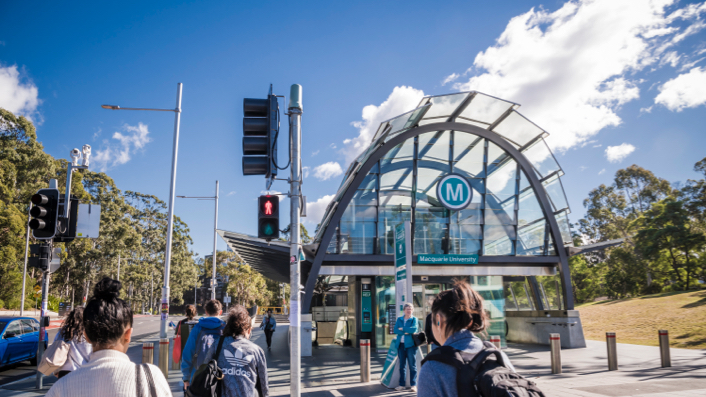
point(454, 192)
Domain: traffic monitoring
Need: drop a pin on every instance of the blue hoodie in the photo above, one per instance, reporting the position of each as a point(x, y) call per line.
point(439, 379)
point(187, 355)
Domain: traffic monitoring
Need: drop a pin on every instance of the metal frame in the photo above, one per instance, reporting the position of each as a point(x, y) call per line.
point(491, 136)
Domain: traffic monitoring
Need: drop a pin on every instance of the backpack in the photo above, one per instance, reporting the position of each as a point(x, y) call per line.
point(479, 376)
point(208, 378)
point(204, 340)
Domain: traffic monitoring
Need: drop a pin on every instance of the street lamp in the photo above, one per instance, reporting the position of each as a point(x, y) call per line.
point(215, 237)
point(170, 220)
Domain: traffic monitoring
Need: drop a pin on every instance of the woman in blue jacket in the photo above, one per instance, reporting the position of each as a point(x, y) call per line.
point(405, 326)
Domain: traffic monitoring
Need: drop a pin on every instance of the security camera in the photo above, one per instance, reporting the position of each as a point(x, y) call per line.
point(86, 154)
point(75, 155)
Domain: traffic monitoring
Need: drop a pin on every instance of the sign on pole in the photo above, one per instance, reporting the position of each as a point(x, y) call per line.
point(403, 265)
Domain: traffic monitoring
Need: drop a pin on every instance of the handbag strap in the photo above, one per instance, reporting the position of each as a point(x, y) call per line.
point(138, 381)
point(218, 349)
point(150, 380)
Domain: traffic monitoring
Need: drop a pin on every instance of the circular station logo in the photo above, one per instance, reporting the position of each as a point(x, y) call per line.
point(454, 192)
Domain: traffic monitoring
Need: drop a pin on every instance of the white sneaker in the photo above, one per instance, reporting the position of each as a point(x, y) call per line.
point(399, 388)
point(413, 389)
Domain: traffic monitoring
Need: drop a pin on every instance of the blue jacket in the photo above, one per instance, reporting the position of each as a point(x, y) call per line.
point(272, 322)
point(187, 364)
point(409, 327)
point(243, 364)
point(438, 379)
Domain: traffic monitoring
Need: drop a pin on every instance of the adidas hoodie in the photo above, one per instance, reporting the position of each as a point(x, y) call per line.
point(242, 363)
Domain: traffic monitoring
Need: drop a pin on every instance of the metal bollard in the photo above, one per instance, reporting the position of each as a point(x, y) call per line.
point(555, 344)
point(612, 351)
point(148, 353)
point(664, 348)
point(365, 360)
point(164, 356)
point(495, 339)
point(174, 363)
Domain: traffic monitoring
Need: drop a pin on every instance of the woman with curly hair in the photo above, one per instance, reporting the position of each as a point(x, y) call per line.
point(80, 350)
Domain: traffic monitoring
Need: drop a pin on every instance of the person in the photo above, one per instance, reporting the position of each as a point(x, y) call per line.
point(204, 334)
point(269, 324)
point(80, 350)
point(405, 326)
point(429, 333)
point(184, 326)
point(242, 361)
point(456, 314)
point(107, 323)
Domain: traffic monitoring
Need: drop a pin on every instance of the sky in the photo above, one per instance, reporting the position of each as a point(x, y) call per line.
point(615, 83)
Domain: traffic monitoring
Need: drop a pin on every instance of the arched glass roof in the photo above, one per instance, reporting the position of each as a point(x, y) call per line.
point(504, 218)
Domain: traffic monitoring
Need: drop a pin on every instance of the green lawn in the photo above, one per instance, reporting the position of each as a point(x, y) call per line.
point(637, 320)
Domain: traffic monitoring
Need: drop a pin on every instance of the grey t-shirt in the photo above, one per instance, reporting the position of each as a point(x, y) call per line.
point(243, 364)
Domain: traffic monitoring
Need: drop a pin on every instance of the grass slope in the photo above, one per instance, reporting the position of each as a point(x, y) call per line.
point(637, 320)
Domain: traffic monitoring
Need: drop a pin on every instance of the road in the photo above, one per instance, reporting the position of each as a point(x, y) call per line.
point(143, 325)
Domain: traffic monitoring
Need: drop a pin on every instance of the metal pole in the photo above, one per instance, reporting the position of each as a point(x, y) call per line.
point(164, 356)
point(664, 348)
point(495, 339)
point(147, 353)
point(40, 346)
point(24, 271)
point(215, 242)
point(365, 360)
point(555, 343)
point(295, 114)
point(612, 351)
point(118, 266)
point(170, 219)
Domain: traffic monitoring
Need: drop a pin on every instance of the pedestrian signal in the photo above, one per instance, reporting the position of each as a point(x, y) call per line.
point(268, 217)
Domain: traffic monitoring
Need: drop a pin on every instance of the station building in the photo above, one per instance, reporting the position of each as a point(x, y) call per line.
point(516, 223)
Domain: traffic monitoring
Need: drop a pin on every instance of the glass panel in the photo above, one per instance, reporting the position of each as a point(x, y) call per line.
point(503, 180)
point(465, 238)
point(388, 217)
point(518, 129)
point(445, 105)
point(397, 180)
point(359, 213)
point(401, 153)
point(520, 293)
point(563, 219)
point(504, 246)
point(380, 130)
point(430, 226)
point(555, 191)
point(485, 108)
point(529, 208)
point(469, 215)
point(385, 299)
point(471, 122)
point(494, 217)
point(469, 153)
point(435, 146)
point(530, 238)
point(503, 202)
point(357, 237)
point(541, 158)
point(426, 121)
point(491, 289)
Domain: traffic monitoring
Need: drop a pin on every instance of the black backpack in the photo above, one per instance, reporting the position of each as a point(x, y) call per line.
point(479, 376)
point(208, 378)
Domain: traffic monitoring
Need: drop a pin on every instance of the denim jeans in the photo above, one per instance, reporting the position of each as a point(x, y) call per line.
point(407, 356)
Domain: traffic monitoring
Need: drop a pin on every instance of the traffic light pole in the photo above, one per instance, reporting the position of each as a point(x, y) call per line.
point(24, 272)
point(295, 193)
point(40, 346)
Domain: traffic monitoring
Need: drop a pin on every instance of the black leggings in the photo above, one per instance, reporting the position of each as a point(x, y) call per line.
point(61, 374)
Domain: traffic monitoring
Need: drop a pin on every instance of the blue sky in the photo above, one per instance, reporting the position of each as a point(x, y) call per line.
point(615, 84)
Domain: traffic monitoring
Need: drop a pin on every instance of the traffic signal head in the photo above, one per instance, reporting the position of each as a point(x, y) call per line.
point(45, 214)
point(268, 217)
point(42, 258)
point(260, 127)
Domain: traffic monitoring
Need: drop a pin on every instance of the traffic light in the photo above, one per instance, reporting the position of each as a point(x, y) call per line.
point(67, 227)
point(45, 213)
point(42, 258)
point(260, 129)
point(268, 217)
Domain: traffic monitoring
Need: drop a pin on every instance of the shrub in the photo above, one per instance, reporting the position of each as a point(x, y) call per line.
point(2, 304)
point(13, 304)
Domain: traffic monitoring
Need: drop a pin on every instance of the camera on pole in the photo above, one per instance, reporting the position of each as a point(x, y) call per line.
point(45, 213)
point(268, 217)
point(260, 131)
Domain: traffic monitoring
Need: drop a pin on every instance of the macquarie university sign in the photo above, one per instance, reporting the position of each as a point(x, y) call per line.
point(454, 192)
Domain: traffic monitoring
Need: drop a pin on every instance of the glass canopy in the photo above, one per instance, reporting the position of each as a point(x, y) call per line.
point(504, 216)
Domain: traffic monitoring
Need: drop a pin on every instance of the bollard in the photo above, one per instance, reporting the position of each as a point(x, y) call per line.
point(147, 353)
point(555, 344)
point(495, 339)
point(664, 348)
point(612, 351)
point(174, 363)
point(365, 360)
point(164, 356)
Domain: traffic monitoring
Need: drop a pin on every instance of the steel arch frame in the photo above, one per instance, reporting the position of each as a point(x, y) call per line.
point(493, 137)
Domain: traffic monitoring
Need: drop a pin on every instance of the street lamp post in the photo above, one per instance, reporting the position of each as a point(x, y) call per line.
point(215, 237)
point(170, 210)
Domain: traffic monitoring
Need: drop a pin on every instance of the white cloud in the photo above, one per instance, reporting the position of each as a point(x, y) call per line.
point(450, 78)
point(315, 153)
point(583, 168)
point(18, 94)
point(315, 210)
point(230, 193)
point(615, 154)
point(402, 99)
point(683, 91)
point(305, 171)
point(601, 172)
point(327, 171)
point(132, 139)
point(573, 68)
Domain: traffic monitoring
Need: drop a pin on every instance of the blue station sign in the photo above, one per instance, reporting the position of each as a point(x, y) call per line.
point(454, 192)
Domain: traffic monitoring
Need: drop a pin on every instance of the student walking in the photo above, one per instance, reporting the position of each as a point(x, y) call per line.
point(184, 326)
point(107, 321)
point(242, 361)
point(204, 334)
point(405, 327)
point(268, 324)
point(79, 348)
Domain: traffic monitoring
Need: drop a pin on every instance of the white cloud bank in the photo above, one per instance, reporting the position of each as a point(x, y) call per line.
point(684, 91)
point(327, 171)
point(315, 210)
point(132, 139)
point(18, 94)
point(615, 154)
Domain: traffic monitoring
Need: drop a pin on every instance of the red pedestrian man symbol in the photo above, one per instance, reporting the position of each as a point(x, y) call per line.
point(268, 208)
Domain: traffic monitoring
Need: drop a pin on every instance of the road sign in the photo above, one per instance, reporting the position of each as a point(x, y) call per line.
point(37, 288)
point(454, 192)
